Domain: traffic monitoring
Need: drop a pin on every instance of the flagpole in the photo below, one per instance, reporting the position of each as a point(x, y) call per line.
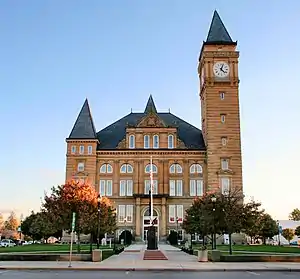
point(151, 189)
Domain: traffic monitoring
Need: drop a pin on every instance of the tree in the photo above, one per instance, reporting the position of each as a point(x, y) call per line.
point(288, 234)
point(295, 215)
point(80, 198)
point(1, 225)
point(297, 231)
point(267, 227)
point(11, 223)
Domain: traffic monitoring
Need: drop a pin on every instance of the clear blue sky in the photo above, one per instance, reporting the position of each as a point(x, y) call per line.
point(56, 53)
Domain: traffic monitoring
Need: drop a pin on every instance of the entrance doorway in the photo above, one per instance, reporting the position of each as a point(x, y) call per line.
point(147, 224)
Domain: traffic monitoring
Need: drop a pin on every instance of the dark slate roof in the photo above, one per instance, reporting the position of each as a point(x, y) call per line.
point(150, 107)
point(84, 127)
point(217, 32)
point(110, 136)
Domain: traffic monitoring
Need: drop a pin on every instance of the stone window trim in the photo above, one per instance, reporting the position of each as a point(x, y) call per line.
point(106, 168)
point(81, 150)
point(131, 141)
point(225, 163)
point(224, 140)
point(81, 166)
point(195, 168)
point(175, 168)
point(73, 149)
point(155, 139)
point(148, 168)
point(126, 168)
point(171, 141)
point(146, 141)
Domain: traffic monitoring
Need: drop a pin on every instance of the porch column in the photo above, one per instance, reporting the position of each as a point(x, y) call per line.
point(138, 217)
point(163, 217)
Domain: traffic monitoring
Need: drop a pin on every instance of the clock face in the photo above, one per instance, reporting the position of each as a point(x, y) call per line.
point(221, 69)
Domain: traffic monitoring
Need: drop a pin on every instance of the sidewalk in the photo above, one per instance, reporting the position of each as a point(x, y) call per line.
point(132, 260)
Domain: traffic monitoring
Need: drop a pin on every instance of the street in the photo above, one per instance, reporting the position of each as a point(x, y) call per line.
point(11, 274)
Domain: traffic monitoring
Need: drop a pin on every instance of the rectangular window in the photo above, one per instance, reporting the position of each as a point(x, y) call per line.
point(172, 213)
point(121, 213)
point(126, 187)
point(80, 166)
point(146, 141)
point(156, 141)
point(129, 213)
point(131, 142)
point(90, 149)
point(81, 149)
point(225, 185)
point(175, 187)
point(179, 213)
point(224, 164)
point(129, 187)
point(122, 187)
point(224, 141)
point(147, 187)
point(73, 149)
point(196, 187)
point(170, 141)
point(222, 95)
point(106, 187)
point(223, 118)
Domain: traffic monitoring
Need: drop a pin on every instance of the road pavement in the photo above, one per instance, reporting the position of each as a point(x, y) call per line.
point(11, 274)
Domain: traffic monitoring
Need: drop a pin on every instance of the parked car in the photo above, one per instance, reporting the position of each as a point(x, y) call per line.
point(7, 243)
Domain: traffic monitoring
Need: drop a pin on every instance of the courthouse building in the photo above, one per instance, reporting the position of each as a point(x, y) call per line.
point(187, 161)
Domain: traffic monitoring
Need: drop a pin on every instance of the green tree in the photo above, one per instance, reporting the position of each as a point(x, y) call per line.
point(295, 215)
point(288, 234)
point(12, 222)
point(297, 231)
point(268, 227)
point(80, 198)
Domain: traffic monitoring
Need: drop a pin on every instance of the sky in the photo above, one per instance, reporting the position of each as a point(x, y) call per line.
point(56, 53)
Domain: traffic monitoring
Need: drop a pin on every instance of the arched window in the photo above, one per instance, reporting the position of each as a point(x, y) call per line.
point(106, 168)
point(131, 142)
point(195, 168)
point(155, 141)
point(126, 168)
point(175, 168)
point(148, 168)
point(170, 141)
point(146, 141)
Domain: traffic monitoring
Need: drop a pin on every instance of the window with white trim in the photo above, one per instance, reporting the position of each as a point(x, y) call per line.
point(129, 213)
point(196, 187)
point(148, 185)
point(121, 213)
point(224, 141)
point(155, 141)
point(148, 168)
point(195, 168)
point(125, 212)
point(81, 149)
point(223, 118)
point(170, 141)
point(73, 149)
point(126, 168)
point(146, 141)
point(126, 187)
point(105, 186)
point(224, 164)
point(90, 150)
point(175, 213)
point(175, 168)
point(80, 166)
point(225, 185)
point(175, 188)
point(131, 141)
point(106, 168)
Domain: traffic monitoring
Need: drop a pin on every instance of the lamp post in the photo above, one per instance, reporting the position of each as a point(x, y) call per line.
point(177, 219)
point(125, 220)
point(98, 230)
point(115, 230)
point(213, 200)
point(20, 230)
point(192, 234)
point(279, 231)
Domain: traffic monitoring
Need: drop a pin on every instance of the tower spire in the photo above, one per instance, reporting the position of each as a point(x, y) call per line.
point(150, 107)
point(218, 33)
point(84, 127)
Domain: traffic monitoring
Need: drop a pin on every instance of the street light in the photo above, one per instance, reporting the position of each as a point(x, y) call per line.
point(21, 221)
point(115, 214)
point(279, 231)
point(125, 219)
point(214, 200)
point(98, 230)
point(177, 219)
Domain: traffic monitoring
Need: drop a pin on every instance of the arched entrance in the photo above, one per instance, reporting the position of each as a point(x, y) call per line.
point(147, 223)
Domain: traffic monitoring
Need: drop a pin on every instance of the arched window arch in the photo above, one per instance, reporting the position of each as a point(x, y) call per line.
point(131, 141)
point(106, 168)
point(170, 141)
point(195, 168)
point(148, 168)
point(155, 141)
point(175, 168)
point(126, 168)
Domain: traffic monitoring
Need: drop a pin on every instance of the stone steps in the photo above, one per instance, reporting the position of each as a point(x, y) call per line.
point(154, 255)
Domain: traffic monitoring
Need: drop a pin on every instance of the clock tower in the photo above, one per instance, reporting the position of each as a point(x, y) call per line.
point(219, 94)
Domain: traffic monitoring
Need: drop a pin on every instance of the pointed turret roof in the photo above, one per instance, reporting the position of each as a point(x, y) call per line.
point(84, 127)
point(150, 107)
point(217, 32)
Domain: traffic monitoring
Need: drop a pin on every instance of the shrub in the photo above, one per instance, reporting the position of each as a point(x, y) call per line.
point(173, 238)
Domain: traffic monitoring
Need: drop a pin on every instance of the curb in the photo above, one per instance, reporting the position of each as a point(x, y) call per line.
point(157, 269)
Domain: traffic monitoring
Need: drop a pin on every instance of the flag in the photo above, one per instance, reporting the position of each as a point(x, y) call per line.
point(151, 189)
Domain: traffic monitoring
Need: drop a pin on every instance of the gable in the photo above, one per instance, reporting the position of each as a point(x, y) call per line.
point(151, 120)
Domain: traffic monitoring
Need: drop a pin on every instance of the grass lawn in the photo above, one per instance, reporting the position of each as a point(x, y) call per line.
point(50, 248)
point(257, 248)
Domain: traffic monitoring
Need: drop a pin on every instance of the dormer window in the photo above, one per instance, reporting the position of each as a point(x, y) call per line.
point(170, 141)
point(81, 149)
point(156, 141)
point(146, 141)
point(131, 141)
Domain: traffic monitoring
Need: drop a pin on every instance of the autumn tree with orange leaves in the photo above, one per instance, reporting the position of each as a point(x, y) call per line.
point(80, 198)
